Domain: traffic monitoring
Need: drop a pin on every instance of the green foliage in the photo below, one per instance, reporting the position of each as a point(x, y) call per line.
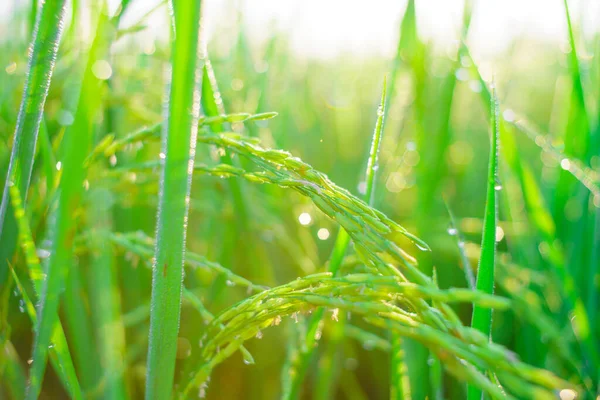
point(158, 231)
point(59, 350)
point(300, 360)
point(40, 69)
point(178, 152)
point(482, 317)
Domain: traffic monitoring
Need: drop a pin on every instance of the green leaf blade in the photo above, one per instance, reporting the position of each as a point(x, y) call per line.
point(179, 140)
point(45, 43)
point(482, 317)
point(78, 141)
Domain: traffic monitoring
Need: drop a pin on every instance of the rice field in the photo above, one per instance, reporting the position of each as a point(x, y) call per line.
point(216, 217)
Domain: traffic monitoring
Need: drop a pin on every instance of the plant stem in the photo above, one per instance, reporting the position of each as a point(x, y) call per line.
point(482, 317)
point(45, 43)
point(178, 151)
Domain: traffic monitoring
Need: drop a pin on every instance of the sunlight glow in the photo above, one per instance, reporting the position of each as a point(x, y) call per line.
point(304, 218)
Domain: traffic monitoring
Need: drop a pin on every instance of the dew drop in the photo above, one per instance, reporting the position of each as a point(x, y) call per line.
point(230, 283)
point(498, 185)
point(452, 231)
point(22, 305)
point(499, 234)
point(259, 335)
point(421, 247)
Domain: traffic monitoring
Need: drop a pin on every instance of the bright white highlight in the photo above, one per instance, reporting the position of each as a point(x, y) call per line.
point(304, 218)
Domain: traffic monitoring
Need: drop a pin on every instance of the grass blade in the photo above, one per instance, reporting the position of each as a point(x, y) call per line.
point(582, 143)
point(547, 229)
point(77, 144)
point(13, 374)
point(105, 299)
point(482, 317)
point(577, 142)
point(78, 323)
point(400, 387)
point(179, 139)
point(45, 42)
point(104, 294)
point(372, 165)
point(59, 351)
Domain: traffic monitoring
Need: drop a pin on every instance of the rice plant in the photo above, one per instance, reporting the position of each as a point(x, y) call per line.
point(171, 198)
